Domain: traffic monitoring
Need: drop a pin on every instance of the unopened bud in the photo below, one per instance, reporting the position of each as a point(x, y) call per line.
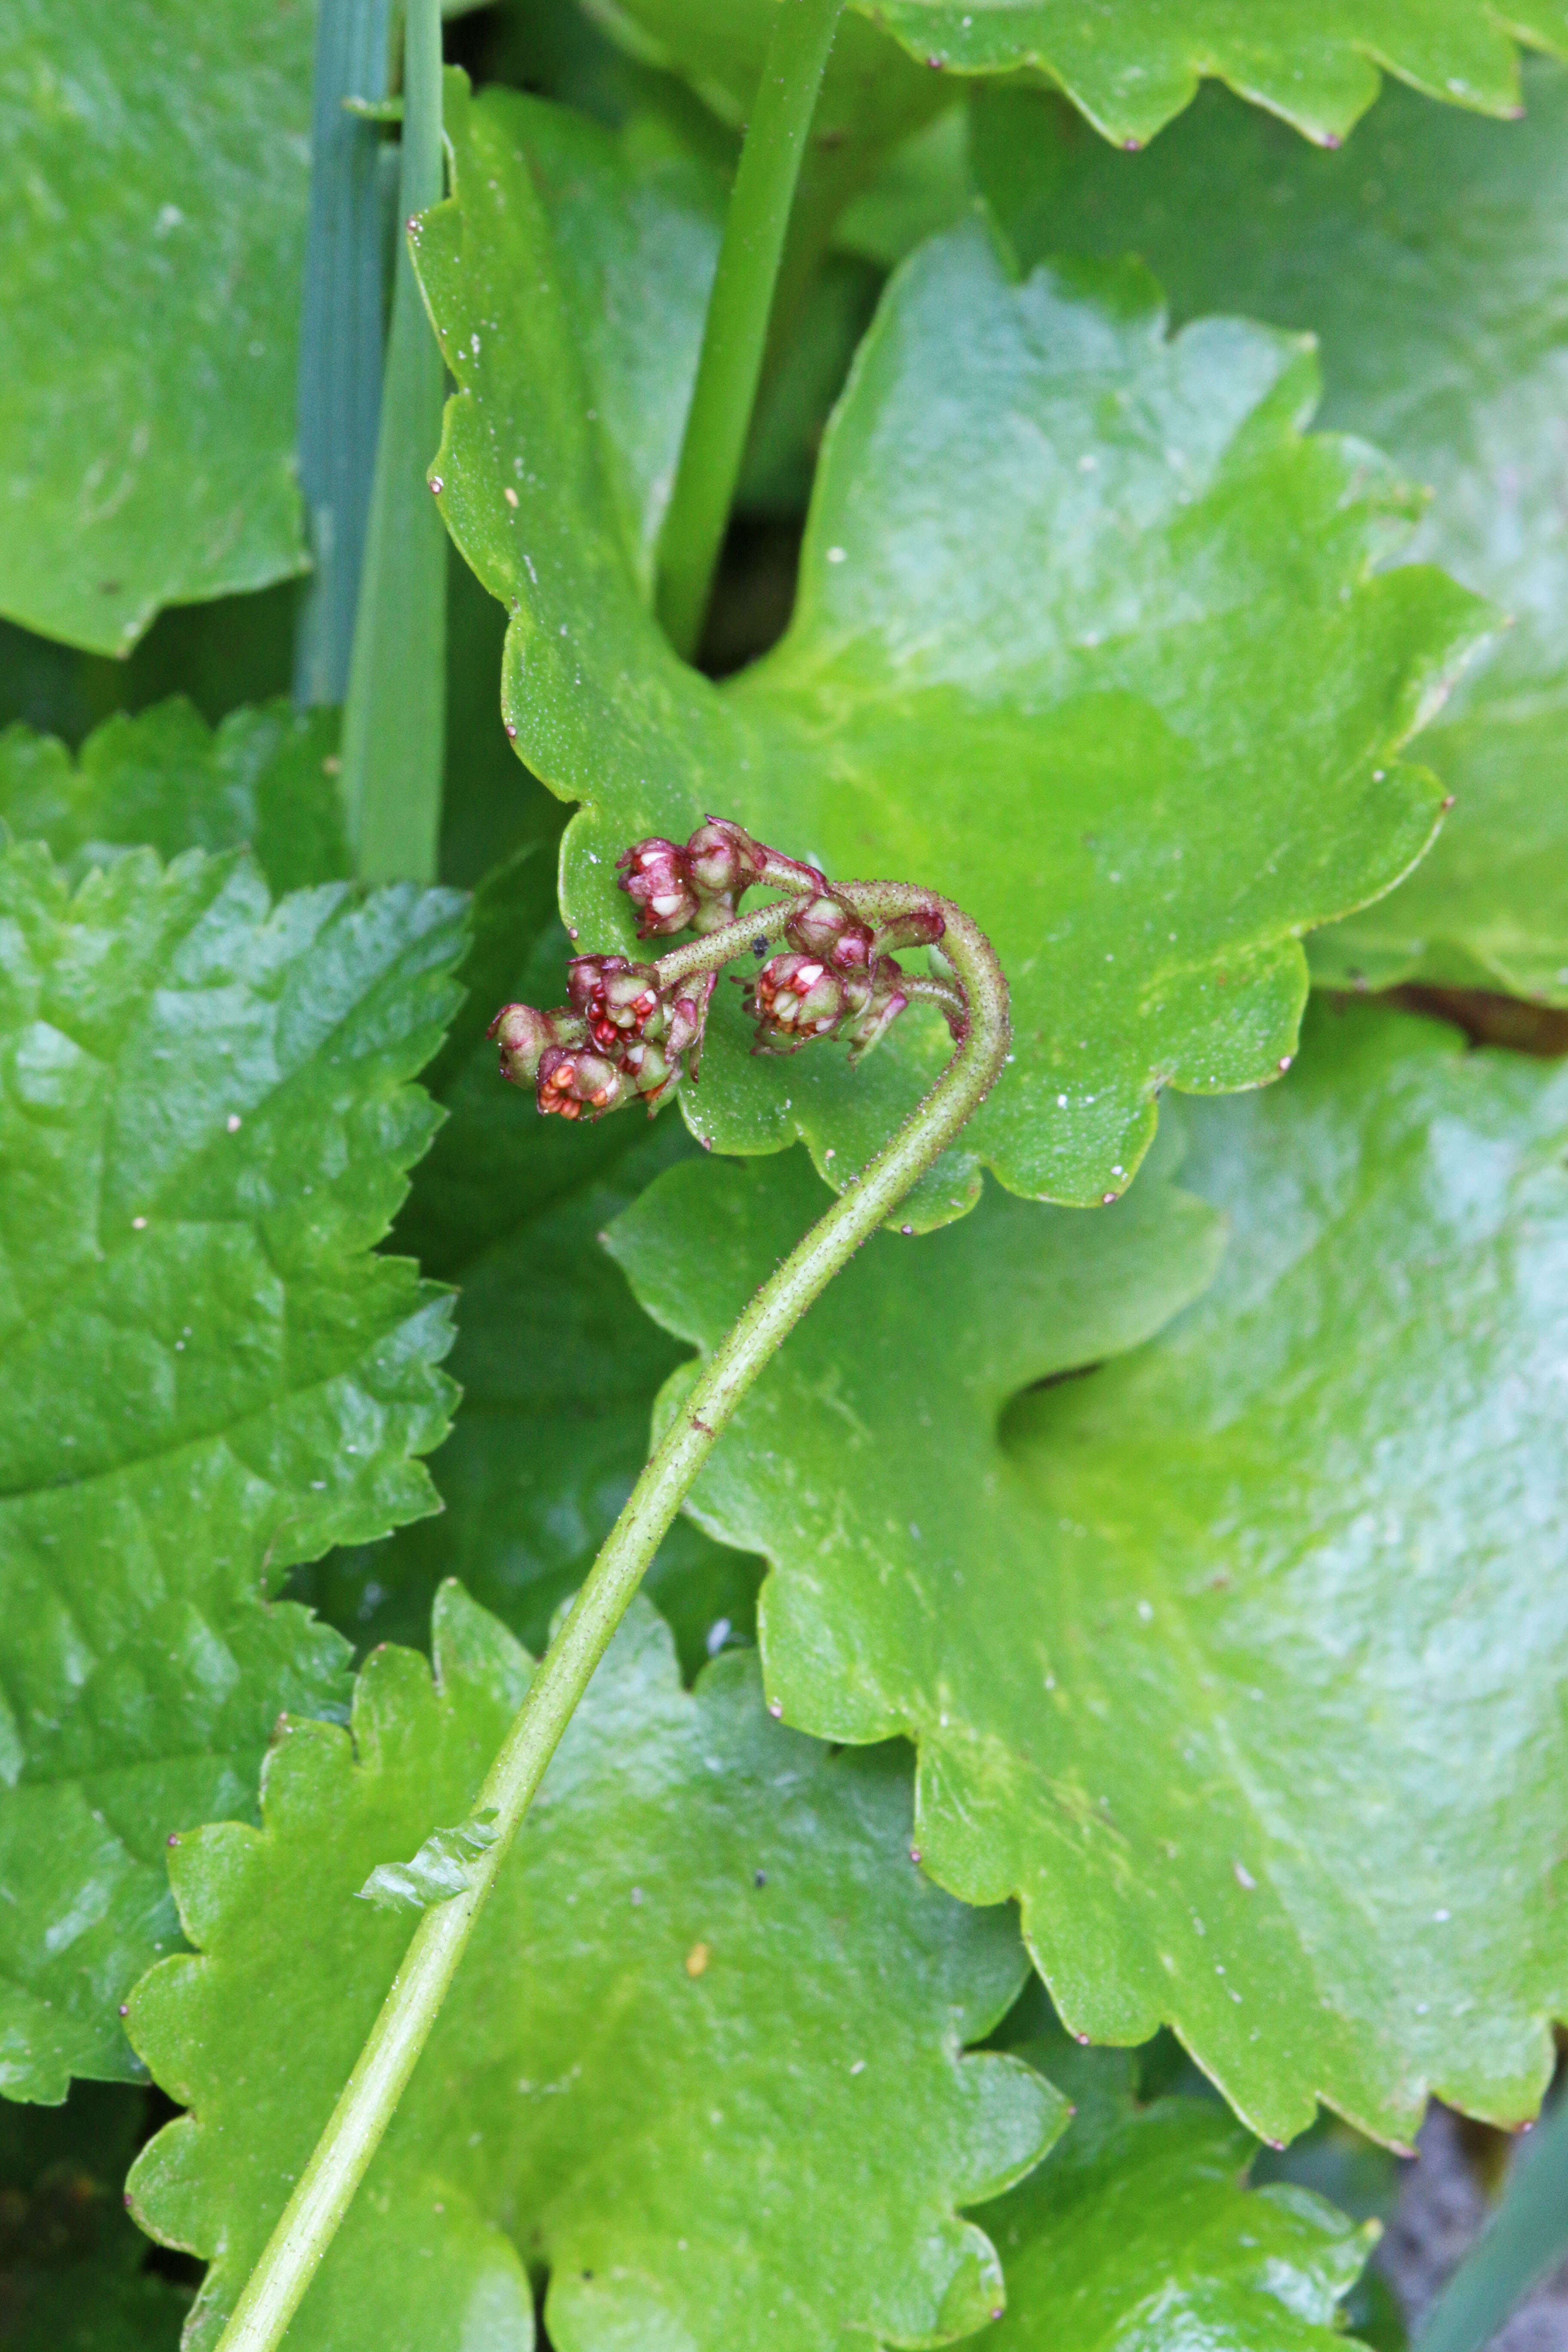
point(796, 997)
point(524, 1036)
point(722, 862)
point(884, 1002)
point(653, 876)
point(654, 1072)
point(577, 1082)
point(618, 999)
point(824, 926)
point(722, 859)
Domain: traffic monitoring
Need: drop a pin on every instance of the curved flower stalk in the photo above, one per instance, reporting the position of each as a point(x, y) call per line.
point(631, 1031)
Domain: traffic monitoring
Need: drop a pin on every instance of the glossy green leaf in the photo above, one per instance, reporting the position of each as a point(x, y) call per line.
point(558, 1366)
point(205, 1124)
point(1241, 1661)
point(156, 156)
point(1138, 2231)
point(1431, 257)
point(1087, 637)
point(872, 92)
point(1131, 65)
point(703, 2060)
point(72, 2274)
point(167, 781)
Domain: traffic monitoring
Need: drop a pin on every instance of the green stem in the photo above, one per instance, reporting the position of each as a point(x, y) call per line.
point(327, 2186)
point(736, 333)
point(395, 719)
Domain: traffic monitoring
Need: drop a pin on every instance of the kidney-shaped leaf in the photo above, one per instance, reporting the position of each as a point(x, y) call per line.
point(167, 781)
point(205, 1125)
point(1138, 2231)
point(1086, 639)
point(1131, 66)
point(1431, 256)
point(151, 255)
point(703, 2059)
point(1240, 1661)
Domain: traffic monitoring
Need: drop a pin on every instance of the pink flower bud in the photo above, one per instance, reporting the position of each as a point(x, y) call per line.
point(685, 1024)
point(525, 1035)
point(618, 999)
point(653, 877)
point(883, 1002)
point(825, 927)
point(576, 1082)
point(653, 1071)
point(722, 859)
point(796, 998)
point(585, 978)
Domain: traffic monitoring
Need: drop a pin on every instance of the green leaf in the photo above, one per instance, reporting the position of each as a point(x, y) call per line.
point(72, 2262)
point(168, 781)
point(204, 1125)
point(1431, 257)
point(1137, 2231)
point(558, 1366)
point(872, 93)
point(1145, 762)
point(1131, 66)
point(1240, 1661)
point(703, 2059)
point(150, 271)
point(922, 187)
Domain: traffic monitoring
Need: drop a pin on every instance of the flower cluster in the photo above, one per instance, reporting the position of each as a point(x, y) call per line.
point(626, 1033)
point(829, 976)
point(622, 1034)
point(696, 888)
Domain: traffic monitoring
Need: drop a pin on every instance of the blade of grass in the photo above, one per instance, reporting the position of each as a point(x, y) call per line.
point(393, 723)
point(1526, 2237)
point(735, 337)
point(341, 331)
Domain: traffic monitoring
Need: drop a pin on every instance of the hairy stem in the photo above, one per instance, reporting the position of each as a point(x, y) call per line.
point(327, 2186)
point(395, 719)
point(735, 336)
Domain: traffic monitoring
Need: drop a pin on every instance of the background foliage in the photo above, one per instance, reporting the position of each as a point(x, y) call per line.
point(1158, 1592)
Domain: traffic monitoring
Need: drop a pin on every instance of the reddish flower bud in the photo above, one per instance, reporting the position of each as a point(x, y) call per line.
point(585, 978)
point(883, 1002)
point(796, 998)
point(654, 1071)
point(576, 1083)
point(618, 999)
point(525, 1035)
point(653, 877)
point(722, 858)
point(824, 926)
